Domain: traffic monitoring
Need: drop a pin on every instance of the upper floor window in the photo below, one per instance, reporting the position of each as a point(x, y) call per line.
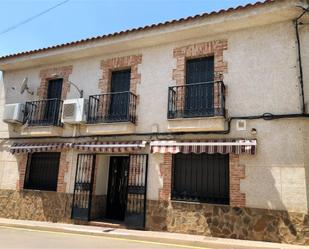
point(199, 92)
point(54, 89)
point(200, 70)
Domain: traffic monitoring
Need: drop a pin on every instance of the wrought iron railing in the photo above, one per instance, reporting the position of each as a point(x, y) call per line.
point(196, 100)
point(43, 112)
point(112, 107)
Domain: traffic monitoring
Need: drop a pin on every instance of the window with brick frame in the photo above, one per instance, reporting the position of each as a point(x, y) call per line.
point(42, 171)
point(200, 178)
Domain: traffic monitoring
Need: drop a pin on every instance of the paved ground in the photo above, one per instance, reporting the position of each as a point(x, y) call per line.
point(26, 234)
point(19, 238)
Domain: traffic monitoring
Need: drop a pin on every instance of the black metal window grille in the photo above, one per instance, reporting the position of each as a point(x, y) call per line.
point(43, 112)
point(112, 107)
point(42, 171)
point(83, 186)
point(201, 178)
point(137, 188)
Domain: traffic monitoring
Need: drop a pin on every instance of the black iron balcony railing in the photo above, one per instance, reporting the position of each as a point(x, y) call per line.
point(196, 100)
point(112, 107)
point(43, 112)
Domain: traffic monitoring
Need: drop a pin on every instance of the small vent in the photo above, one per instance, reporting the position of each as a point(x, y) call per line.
point(69, 110)
point(241, 125)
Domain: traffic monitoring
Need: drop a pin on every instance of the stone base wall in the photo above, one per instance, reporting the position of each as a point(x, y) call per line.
point(98, 207)
point(228, 222)
point(36, 205)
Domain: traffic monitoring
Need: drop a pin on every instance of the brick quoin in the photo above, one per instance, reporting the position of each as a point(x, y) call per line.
point(64, 166)
point(237, 172)
point(166, 174)
point(211, 48)
point(48, 74)
point(119, 63)
point(22, 165)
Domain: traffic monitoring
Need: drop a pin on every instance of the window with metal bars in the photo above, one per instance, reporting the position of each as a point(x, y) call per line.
point(42, 171)
point(201, 178)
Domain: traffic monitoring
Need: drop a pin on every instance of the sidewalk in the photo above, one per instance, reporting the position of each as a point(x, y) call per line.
point(164, 237)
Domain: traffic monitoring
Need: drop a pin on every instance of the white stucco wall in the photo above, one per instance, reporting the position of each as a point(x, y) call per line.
point(102, 175)
point(262, 77)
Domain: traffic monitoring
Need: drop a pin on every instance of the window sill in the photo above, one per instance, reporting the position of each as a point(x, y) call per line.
point(216, 123)
point(33, 131)
point(199, 203)
point(110, 128)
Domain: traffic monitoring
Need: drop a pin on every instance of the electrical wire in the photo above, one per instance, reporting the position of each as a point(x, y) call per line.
point(32, 18)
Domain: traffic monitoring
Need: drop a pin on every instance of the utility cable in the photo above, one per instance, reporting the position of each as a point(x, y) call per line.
point(32, 18)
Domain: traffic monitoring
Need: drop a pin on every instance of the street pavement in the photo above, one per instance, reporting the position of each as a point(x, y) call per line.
point(26, 234)
point(19, 238)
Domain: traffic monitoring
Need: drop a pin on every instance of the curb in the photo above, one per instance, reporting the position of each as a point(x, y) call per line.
point(107, 232)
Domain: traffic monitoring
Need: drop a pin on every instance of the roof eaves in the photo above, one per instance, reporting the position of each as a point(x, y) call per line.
point(147, 27)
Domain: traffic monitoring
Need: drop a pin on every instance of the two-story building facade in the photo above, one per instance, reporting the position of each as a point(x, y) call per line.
point(198, 125)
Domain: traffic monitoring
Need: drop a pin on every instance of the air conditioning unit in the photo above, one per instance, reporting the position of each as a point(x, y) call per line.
point(13, 113)
point(74, 111)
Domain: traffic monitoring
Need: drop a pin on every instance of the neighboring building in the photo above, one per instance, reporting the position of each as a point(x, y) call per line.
point(177, 136)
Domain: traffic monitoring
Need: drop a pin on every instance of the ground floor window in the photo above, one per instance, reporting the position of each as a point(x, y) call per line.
point(42, 171)
point(201, 178)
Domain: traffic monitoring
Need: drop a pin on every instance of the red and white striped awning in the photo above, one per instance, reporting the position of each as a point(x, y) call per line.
point(110, 147)
point(238, 146)
point(17, 148)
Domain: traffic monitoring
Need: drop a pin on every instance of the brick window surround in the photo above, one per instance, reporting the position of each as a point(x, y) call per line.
point(119, 63)
point(49, 74)
point(211, 48)
point(64, 165)
point(237, 172)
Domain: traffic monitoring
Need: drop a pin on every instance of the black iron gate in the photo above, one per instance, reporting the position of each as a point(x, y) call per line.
point(83, 186)
point(136, 191)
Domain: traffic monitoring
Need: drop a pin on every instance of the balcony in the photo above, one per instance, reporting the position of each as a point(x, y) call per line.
point(43, 112)
point(112, 113)
point(196, 107)
point(112, 107)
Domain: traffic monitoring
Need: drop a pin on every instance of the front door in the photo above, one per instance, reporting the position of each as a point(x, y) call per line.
point(52, 104)
point(119, 101)
point(117, 188)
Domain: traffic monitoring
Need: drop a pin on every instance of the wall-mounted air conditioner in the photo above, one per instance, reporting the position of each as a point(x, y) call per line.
point(74, 111)
point(13, 113)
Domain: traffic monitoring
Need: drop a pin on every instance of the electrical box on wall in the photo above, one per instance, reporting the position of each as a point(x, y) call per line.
point(241, 125)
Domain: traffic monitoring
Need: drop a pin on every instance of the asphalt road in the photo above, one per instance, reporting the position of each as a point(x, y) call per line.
point(15, 238)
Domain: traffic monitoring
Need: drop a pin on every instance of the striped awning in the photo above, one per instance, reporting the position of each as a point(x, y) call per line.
point(238, 146)
point(17, 148)
point(110, 147)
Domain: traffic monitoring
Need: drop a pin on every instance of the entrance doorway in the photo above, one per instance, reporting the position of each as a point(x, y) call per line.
point(117, 191)
point(117, 187)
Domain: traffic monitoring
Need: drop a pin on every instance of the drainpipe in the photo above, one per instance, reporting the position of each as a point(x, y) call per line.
point(300, 66)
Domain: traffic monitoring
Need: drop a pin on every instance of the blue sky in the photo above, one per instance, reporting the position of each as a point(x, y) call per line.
point(78, 19)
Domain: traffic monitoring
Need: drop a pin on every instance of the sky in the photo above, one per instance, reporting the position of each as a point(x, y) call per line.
point(78, 19)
